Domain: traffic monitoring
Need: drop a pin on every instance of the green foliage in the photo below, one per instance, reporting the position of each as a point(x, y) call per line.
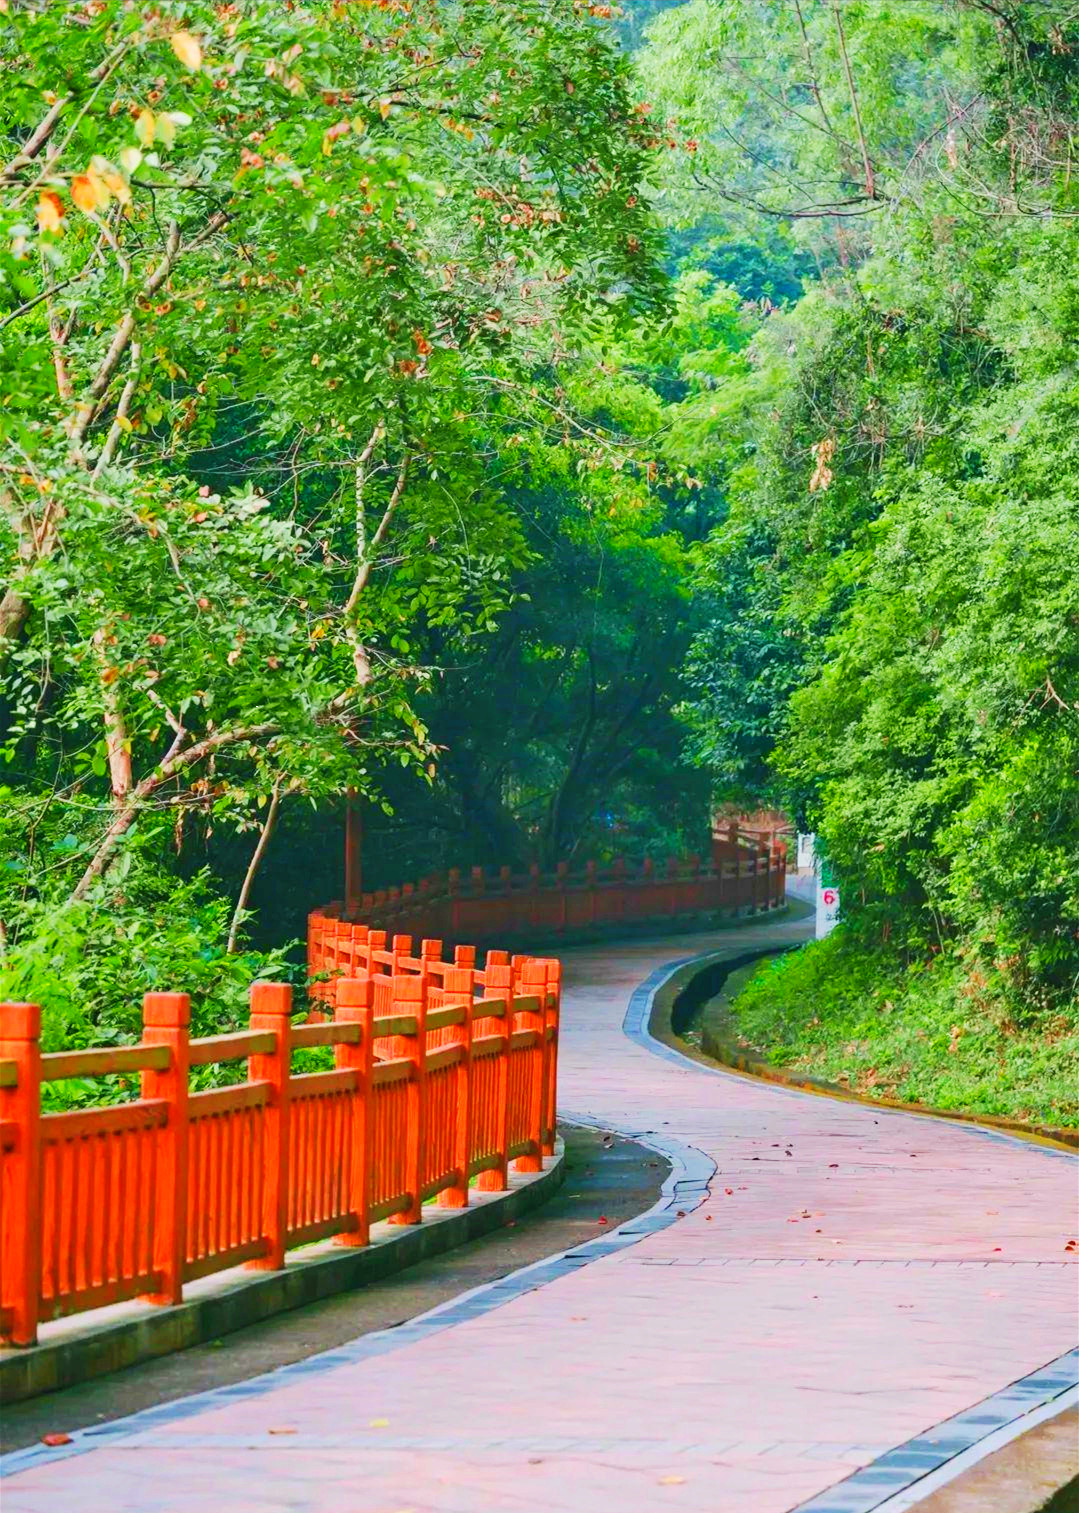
point(559, 731)
point(891, 646)
point(846, 1012)
point(88, 969)
point(279, 286)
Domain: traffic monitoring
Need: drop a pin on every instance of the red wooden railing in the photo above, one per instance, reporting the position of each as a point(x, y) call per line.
point(744, 876)
point(443, 1074)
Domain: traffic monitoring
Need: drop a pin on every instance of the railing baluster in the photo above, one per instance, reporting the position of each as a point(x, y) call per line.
point(410, 997)
point(271, 1008)
point(459, 991)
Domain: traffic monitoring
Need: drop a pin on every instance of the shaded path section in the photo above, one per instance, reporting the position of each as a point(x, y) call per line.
point(848, 1279)
point(605, 1179)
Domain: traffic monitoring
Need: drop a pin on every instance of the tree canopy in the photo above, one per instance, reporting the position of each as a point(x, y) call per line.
point(892, 648)
point(544, 422)
point(283, 289)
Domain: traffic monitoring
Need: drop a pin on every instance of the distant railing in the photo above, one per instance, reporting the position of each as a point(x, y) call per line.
point(744, 876)
point(442, 1074)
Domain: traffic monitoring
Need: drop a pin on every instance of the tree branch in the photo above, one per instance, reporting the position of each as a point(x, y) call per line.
point(364, 565)
point(80, 421)
point(116, 430)
point(870, 181)
point(253, 865)
point(174, 763)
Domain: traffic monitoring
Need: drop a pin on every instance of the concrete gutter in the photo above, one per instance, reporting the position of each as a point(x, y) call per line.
point(84, 1346)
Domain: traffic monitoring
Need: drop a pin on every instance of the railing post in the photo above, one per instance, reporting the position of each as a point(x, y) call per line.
point(271, 1009)
point(552, 1019)
point(376, 941)
point(618, 876)
point(355, 1005)
point(458, 989)
point(357, 954)
point(20, 1142)
point(166, 1020)
point(533, 983)
point(410, 997)
point(400, 948)
point(498, 983)
point(561, 873)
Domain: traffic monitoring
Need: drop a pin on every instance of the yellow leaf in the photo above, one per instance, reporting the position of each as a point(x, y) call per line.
point(145, 127)
point(124, 424)
point(50, 211)
point(130, 158)
point(116, 184)
point(165, 128)
point(384, 108)
point(187, 49)
point(82, 192)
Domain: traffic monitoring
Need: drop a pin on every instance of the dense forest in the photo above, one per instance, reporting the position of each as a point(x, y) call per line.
point(546, 421)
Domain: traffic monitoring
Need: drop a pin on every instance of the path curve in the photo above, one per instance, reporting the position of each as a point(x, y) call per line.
point(842, 1280)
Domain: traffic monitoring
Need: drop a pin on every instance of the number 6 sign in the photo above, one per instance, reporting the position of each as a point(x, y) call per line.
point(827, 910)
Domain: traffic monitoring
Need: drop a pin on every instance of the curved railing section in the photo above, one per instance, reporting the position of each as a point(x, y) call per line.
point(743, 877)
point(436, 1077)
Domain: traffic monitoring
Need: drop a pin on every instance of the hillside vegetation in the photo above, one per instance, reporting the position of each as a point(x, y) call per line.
point(893, 641)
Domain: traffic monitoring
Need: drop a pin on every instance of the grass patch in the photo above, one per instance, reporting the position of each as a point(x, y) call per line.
point(938, 1033)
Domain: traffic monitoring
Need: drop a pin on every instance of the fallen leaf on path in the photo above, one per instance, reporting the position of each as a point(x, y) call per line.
point(671, 1481)
point(281, 1431)
point(56, 1439)
point(379, 1423)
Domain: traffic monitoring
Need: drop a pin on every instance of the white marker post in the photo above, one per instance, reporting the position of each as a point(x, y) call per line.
point(827, 908)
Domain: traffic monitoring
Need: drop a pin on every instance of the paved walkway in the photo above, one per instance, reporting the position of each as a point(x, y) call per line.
point(842, 1281)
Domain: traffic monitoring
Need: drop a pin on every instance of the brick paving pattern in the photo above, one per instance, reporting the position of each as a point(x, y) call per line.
point(850, 1279)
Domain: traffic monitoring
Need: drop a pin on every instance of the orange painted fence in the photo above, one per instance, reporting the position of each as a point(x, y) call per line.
point(443, 1074)
point(744, 876)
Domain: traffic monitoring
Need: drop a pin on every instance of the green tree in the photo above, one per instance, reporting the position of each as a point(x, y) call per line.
point(892, 624)
point(272, 280)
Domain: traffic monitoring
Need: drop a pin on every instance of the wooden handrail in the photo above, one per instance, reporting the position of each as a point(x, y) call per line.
point(232, 1047)
point(57, 1066)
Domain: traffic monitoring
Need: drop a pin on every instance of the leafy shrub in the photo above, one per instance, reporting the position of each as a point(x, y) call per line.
point(943, 1032)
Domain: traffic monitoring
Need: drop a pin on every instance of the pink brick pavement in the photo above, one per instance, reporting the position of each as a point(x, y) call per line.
point(853, 1278)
